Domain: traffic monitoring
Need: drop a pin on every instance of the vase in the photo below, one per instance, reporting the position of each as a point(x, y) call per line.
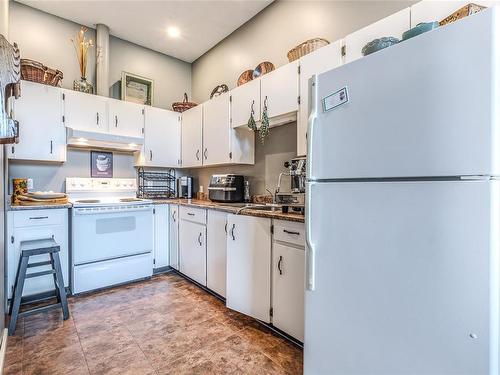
point(83, 86)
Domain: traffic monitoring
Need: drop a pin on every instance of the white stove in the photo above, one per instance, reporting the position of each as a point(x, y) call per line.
point(112, 233)
point(103, 192)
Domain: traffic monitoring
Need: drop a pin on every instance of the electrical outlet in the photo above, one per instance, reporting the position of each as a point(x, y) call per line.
point(30, 184)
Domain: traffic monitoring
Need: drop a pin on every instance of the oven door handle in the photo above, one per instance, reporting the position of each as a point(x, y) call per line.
point(100, 211)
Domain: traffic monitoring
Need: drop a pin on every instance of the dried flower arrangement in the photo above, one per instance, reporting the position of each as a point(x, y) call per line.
point(82, 45)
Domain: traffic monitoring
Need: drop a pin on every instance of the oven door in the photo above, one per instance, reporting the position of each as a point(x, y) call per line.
point(103, 233)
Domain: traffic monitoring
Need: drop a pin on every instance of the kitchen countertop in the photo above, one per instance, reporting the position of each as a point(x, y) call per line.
point(41, 207)
point(231, 209)
point(190, 203)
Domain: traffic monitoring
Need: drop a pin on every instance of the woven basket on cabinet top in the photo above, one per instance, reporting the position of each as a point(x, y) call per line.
point(307, 47)
point(35, 71)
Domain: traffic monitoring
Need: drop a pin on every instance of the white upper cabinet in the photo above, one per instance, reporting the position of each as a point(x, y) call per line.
point(280, 92)
point(125, 118)
point(393, 25)
point(216, 130)
point(320, 61)
point(162, 138)
point(42, 135)
point(243, 99)
point(192, 125)
point(85, 112)
point(432, 10)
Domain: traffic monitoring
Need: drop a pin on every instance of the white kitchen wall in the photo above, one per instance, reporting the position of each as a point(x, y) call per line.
point(268, 37)
point(51, 176)
point(46, 38)
point(277, 29)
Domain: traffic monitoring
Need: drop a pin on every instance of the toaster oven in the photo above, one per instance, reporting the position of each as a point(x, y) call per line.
point(228, 188)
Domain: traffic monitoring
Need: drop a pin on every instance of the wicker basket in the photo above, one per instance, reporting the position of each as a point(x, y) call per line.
point(307, 47)
point(245, 77)
point(465, 11)
point(184, 105)
point(35, 71)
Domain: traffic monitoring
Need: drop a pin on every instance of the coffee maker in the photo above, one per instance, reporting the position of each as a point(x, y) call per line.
point(295, 199)
point(185, 187)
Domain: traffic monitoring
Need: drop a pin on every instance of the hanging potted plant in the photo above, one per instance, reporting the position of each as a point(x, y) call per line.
point(82, 45)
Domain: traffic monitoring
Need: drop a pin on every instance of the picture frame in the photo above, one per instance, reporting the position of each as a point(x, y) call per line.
point(137, 89)
point(101, 164)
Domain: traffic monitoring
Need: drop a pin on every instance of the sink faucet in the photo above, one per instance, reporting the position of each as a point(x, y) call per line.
point(272, 195)
point(278, 188)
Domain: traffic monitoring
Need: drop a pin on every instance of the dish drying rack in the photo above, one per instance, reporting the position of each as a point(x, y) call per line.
point(156, 185)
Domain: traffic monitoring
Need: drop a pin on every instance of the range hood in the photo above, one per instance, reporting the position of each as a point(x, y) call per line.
point(90, 139)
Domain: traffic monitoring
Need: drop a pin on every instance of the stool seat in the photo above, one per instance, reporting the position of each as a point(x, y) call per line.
point(31, 248)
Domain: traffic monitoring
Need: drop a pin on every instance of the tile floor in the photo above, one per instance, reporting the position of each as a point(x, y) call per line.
point(165, 325)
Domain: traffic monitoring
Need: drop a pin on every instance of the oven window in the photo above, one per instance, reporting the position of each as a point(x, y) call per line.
point(115, 225)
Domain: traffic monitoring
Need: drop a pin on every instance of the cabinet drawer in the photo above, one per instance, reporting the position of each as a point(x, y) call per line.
point(31, 218)
point(197, 215)
point(289, 231)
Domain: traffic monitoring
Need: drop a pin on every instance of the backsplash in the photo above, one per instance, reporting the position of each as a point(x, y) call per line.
point(51, 176)
point(280, 146)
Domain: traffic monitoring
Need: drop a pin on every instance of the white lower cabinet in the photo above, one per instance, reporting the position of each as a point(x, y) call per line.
point(288, 274)
point(173, 236)
point(193, 254)
point(248, 280)
point(216, 251)
point(161, 236)
point(28, 225)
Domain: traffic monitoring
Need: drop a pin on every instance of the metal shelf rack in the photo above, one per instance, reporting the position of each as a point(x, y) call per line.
point(156, 185)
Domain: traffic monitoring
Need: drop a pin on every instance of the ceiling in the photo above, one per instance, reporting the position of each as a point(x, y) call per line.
point(202, 24)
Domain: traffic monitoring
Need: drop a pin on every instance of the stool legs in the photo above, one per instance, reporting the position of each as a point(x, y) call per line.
point(59, 284)
point(18, 292)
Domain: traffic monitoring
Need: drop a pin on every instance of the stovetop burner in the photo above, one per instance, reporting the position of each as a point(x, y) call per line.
point(88, 201)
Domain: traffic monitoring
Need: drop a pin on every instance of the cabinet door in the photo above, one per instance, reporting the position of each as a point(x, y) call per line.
point(216, 251)
point(162, 140)
point(192, 121)
point(43, 283)
point(394, 26)
point(432, 10)
point(216, 130)
point(243, 99)
point(85, 111)
point(288, 289)
point(280, 90)
point(161, 231)
point(42, 135)
point(193, 256)
point(248, 281)
point(174, 236)
point(125, 118)
point(326, 58)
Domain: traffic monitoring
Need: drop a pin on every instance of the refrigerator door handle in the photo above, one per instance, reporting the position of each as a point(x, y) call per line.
point(310, 253)
point(311, 120)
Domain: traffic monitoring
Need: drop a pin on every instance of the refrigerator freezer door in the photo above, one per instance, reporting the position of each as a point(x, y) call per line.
point(424, 107)
point(406, 278)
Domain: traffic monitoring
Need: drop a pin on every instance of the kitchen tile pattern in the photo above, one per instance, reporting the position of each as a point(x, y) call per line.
point(165, 325)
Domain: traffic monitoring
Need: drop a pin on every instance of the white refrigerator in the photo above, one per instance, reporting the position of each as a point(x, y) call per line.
point(403, 208)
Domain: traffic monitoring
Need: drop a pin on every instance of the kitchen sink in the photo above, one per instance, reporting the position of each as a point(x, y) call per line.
point(262, 207)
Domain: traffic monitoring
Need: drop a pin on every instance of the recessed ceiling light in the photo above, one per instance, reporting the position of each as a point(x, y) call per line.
point(173, 32)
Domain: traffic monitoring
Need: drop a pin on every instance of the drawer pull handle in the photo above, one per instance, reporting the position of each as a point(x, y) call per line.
point(38, 217)
point(190, 214)
point(291, 232)
point(279, 265)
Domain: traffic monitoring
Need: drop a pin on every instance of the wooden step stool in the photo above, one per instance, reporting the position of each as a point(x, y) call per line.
point(32, 248)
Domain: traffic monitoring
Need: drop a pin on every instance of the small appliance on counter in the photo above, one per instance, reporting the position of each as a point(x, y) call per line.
point(185, 187)
point(295, 199)
point(226, 188)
